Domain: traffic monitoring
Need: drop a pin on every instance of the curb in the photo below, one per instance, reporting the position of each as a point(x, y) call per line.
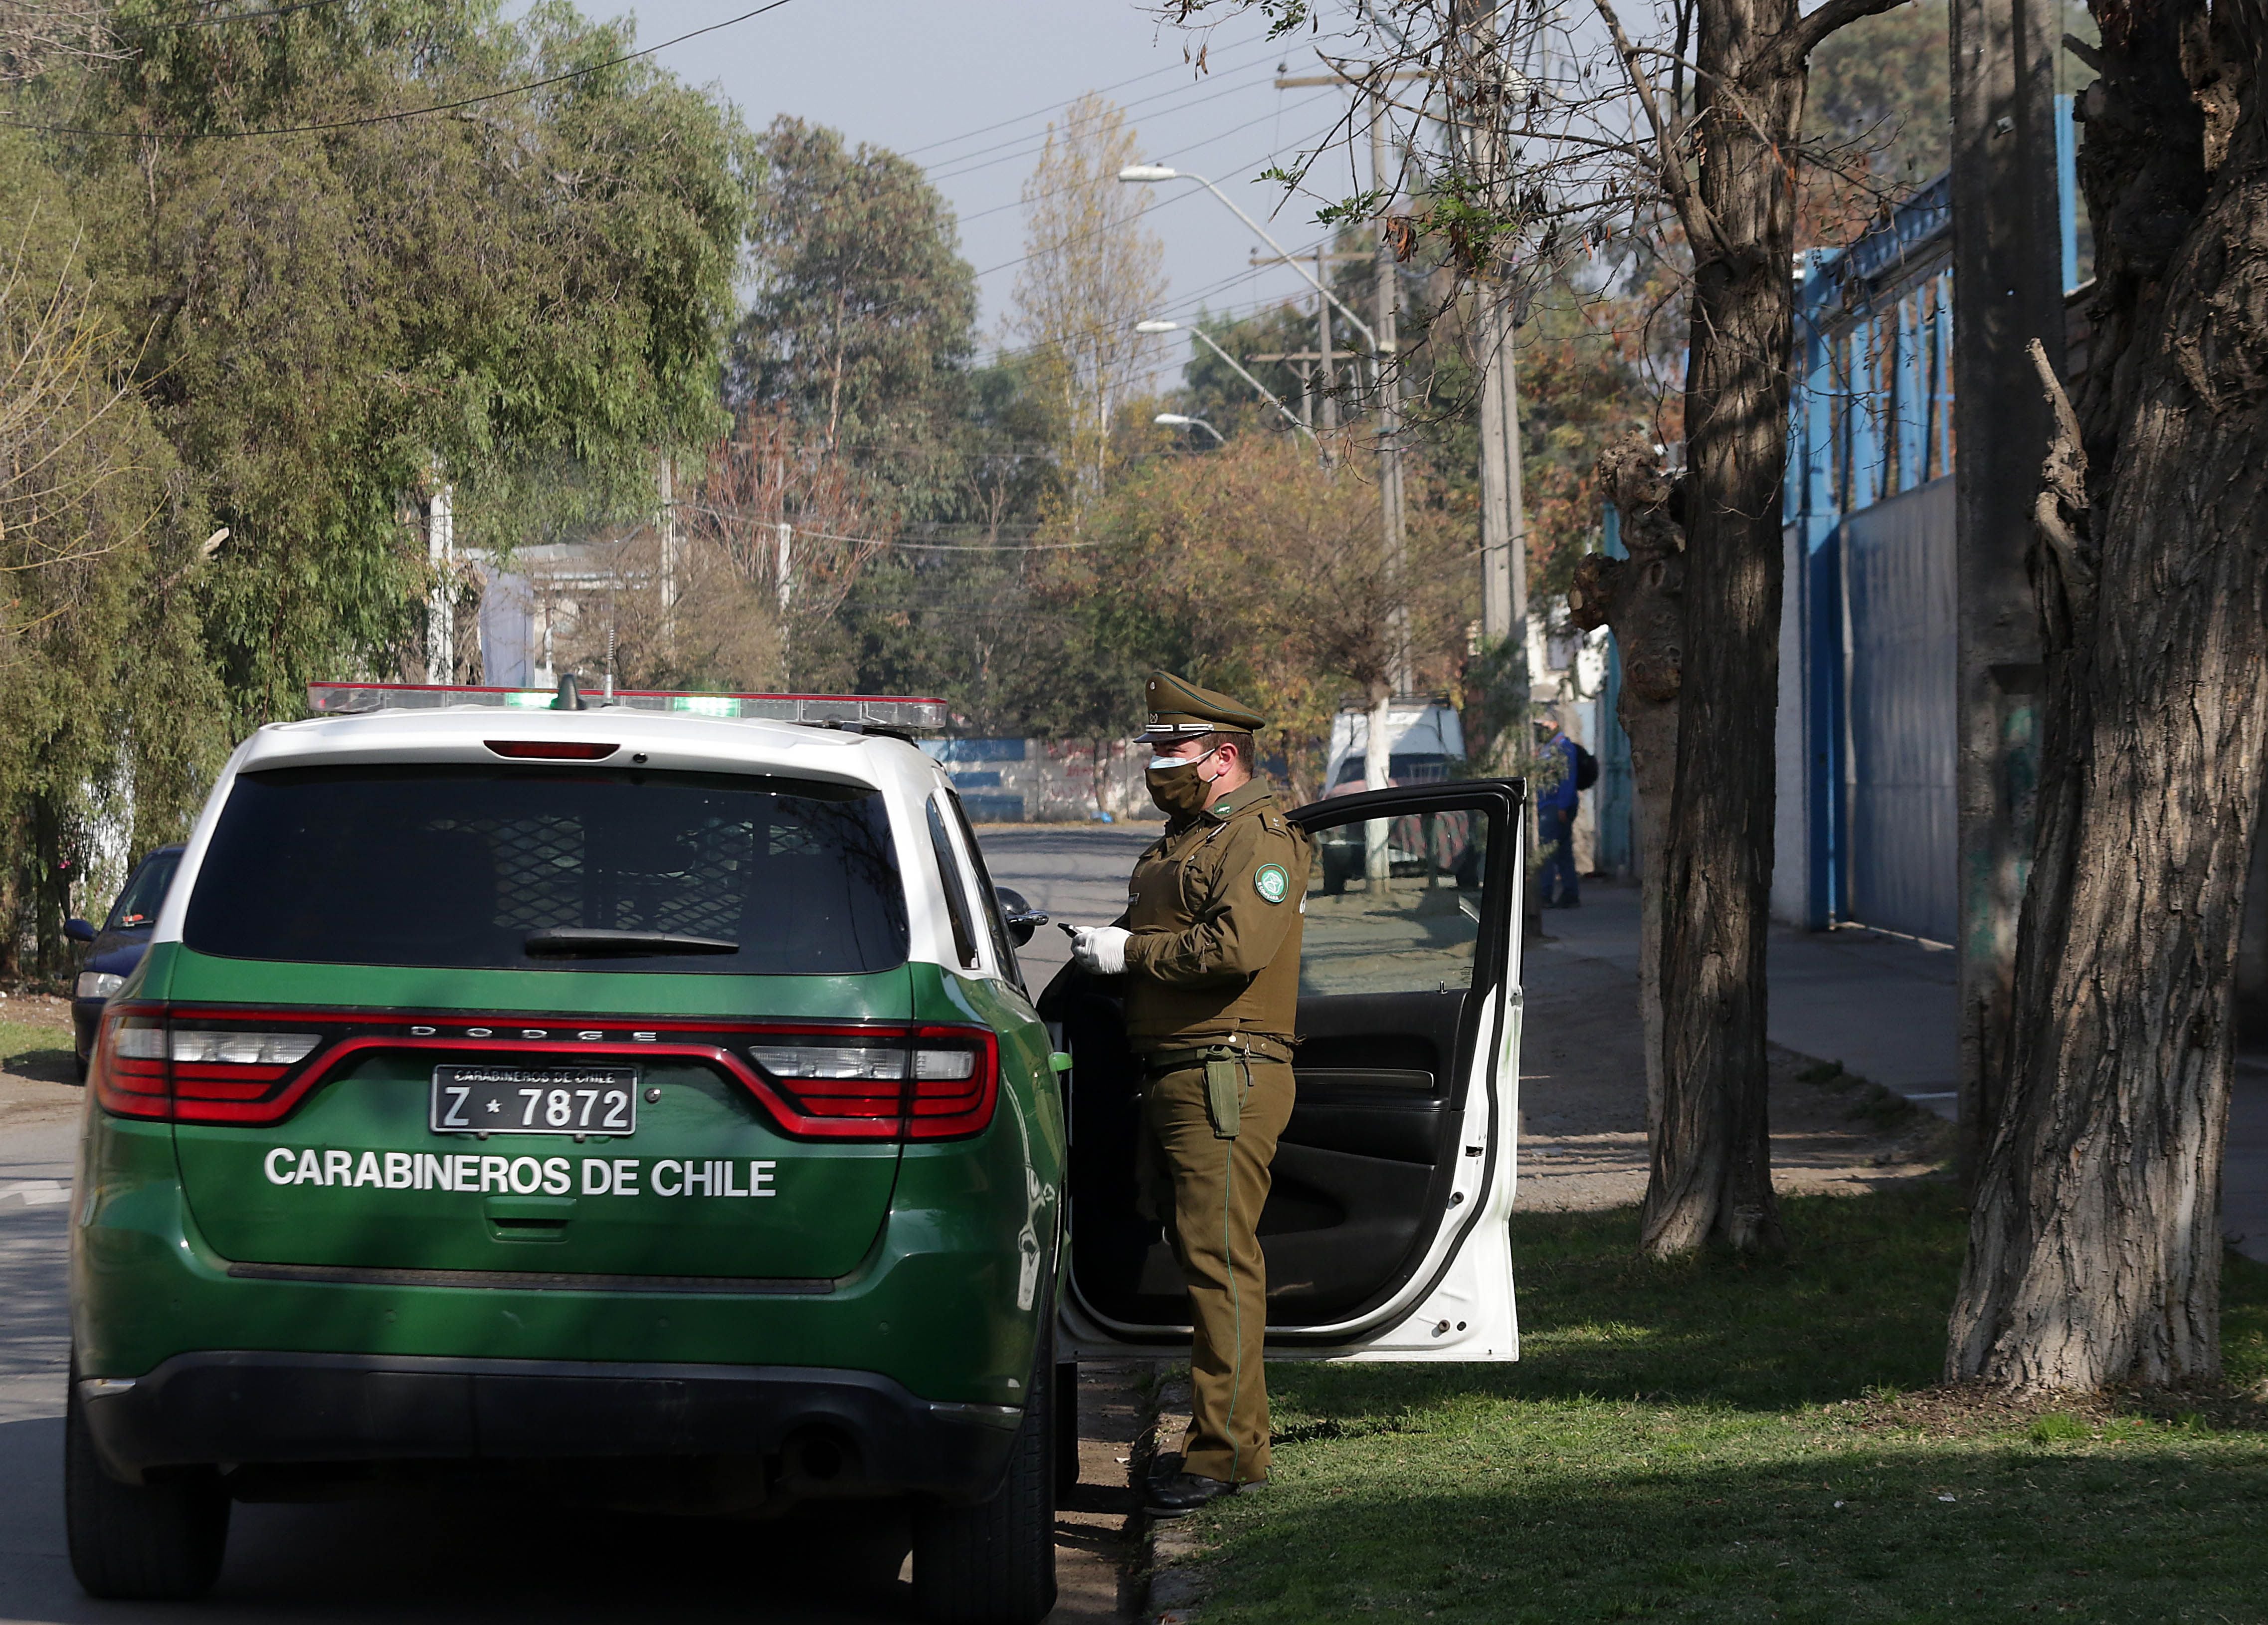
point(1164, 1571)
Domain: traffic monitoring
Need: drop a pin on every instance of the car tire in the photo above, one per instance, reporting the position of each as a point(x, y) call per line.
point(151, 1543)
point(994, 1564)
point(1065, 1420)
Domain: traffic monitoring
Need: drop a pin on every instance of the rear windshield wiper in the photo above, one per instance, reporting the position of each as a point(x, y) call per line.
point(565, 940)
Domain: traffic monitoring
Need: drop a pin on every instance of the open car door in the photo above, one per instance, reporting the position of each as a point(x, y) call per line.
point(1385, 1228)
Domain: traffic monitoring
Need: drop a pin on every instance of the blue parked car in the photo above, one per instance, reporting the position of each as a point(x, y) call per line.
point(119, 946)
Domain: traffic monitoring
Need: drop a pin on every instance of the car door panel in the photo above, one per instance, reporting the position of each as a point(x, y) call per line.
point(1388, 1163)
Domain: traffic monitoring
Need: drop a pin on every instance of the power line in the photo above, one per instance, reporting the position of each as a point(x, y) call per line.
point(953, 169)
point(903, 545)
point(1130, 219)
point(215, 21)
point(946, 141)
point(406, 113)
point(1201, 141)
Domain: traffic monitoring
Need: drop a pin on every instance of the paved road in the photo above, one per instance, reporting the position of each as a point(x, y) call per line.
point(1075, 872)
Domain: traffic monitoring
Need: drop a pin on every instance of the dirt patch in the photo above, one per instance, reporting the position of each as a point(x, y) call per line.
point(1968, 1409)
point(1582, 1084)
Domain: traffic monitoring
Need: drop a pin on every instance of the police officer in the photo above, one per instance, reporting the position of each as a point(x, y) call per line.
point(1209, 949)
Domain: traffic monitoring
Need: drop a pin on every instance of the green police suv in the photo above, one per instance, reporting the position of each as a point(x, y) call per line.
point(633, 1089)
point(643, 1096)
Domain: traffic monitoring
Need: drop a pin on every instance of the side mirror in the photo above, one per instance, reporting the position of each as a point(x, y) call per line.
point(79, 931)
point(1018, 916)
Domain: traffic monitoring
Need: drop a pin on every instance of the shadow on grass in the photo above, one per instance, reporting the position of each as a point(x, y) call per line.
point(1675, 1439)
point(48, 1066)
point(1895, 1531)
point(1857, 1309)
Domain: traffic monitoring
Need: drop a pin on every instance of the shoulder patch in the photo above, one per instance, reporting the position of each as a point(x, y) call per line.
point(1271, 882)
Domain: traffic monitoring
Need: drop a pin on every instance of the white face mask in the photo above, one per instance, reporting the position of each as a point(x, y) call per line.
point(1158, 764)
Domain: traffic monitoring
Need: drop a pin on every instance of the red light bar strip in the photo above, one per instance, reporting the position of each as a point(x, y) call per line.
point(551, 749)
point(883, 710)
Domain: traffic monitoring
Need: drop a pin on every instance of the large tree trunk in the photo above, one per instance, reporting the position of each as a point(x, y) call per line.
point(1712, 1163)
point(1641, 597)
point(2094, 1246)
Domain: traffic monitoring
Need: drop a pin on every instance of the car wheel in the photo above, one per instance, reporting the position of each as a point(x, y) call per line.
point(78, 1064)
point(1066, 1429)
point(994, 1564)
point(155, 1542)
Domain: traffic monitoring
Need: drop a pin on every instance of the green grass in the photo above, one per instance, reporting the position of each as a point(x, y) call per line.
point(1727, 1441)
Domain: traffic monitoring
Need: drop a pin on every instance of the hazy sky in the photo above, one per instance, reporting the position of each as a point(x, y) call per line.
point(967, 87)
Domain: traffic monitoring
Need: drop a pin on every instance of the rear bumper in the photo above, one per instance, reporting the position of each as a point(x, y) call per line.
point(260, 1408)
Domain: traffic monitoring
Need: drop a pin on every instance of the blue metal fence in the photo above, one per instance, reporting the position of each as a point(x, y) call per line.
point(1868, 505)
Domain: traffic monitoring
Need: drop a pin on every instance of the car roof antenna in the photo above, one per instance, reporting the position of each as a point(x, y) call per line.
point(570, 697)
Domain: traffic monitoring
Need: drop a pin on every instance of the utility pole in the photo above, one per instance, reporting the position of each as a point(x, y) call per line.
point(1503, 519)
point(1389, 412)
point(1325, 353)
point(786, 593)
point(2007, 290)
point(1504, 516)
point(1387, 377)
point(673, 545)
point(440, 605)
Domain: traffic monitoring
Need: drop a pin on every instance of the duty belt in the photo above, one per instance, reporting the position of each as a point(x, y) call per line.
point(1242, 1047)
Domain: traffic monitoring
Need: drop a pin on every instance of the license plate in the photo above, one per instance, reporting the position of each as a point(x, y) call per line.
point(534, 1100)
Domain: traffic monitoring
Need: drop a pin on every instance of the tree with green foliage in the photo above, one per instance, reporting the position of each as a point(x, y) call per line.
point(864, 312)
point(340, 319)
point(111, 712)
point(305, 299)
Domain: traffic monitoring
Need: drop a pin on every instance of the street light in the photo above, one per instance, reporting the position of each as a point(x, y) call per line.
point(1178, 420)
point(1134, 174)
point(1205, 338)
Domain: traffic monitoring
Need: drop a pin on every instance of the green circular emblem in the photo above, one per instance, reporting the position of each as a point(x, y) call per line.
point(1271, 881)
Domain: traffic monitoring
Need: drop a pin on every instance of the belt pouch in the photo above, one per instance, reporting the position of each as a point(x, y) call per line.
point(1224, 1096)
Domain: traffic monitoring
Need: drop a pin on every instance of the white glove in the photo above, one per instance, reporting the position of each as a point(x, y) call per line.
point(1099, 950)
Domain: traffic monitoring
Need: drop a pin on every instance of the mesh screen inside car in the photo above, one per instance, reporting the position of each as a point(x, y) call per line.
point(457, 866)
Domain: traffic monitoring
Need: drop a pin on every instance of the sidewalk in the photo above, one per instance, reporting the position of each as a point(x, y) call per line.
point(1885, 1007)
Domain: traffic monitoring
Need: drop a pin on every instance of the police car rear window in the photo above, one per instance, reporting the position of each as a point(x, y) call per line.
point(485, 868)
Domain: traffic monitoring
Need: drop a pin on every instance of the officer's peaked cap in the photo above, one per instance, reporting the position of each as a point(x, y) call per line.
point(1177, 708)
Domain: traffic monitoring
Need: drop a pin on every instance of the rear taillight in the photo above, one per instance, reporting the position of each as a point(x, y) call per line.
point(144, 1067)
point(212, 1065)
point(931, 1083)
point(129, 1073)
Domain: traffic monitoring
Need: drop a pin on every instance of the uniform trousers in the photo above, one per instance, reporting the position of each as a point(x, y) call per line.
point(1216, 1189)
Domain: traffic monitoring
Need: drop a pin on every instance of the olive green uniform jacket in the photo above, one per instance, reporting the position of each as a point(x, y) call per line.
point(1215, 906)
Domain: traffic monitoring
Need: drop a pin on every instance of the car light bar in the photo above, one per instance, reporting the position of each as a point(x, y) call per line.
point(882, 710)
point(553, 749)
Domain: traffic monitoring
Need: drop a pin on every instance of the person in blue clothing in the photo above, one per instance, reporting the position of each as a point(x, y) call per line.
point(1555, 806)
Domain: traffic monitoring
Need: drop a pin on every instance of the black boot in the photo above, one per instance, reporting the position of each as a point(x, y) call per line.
point(1185, 1492)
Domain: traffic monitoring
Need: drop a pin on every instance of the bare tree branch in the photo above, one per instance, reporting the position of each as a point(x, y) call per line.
point(1812, 30)
point(1675, 183)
